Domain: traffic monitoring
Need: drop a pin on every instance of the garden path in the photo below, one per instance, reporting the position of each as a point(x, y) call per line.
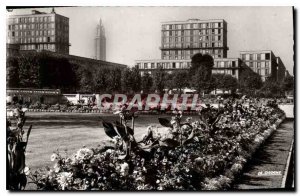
point(267, 168)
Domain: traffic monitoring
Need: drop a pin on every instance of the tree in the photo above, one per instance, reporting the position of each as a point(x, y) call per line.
point(56, 72)
point(136, 79)
point(288, 83)
point(101, 80)
point(201, 71)
point(159, 77)
point(249, 81)
point(28, 71)
point(131, 80)
point(146, 82)
point(114, 80)
point(180, 80)
point(229, 83)
point(205, 61)
point(86, 81)
point(271, 88)
point(126, 80)
point(12, 72)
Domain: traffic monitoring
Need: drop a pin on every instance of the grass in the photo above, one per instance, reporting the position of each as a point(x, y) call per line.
point(62, 131)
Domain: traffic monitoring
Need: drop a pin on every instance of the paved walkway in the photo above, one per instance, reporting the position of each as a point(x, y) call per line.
point(267, 167)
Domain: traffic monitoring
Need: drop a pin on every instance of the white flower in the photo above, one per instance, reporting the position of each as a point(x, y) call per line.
point(124, 169)
point(26, 171)
point(56, 167)
point(53, 157)
point(84, 153)
point(51, 173)
point(64, 178)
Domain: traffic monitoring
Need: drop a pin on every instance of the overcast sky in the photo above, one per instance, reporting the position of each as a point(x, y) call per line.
point(134, 33)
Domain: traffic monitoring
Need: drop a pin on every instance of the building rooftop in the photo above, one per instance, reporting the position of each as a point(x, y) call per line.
point(193, 20)
point(254, 51)
point(36, 12)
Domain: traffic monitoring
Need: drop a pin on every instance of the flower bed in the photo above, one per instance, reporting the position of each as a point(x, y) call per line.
point(210, 157)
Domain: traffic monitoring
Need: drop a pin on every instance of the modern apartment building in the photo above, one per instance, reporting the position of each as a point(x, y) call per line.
point(281, 70)
point(39, 31)
point(230, 66)
point(263, 62)
point(100, 42)
point(183, 39)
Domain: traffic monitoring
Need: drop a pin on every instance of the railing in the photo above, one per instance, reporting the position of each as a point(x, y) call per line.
point(33, 91)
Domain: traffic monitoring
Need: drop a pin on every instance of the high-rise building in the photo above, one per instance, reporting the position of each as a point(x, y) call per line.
point(100, 43)
point(39, 31)
point(263, 62)
point(183, 39)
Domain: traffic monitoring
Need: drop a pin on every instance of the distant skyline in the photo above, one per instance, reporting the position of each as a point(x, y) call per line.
point(134, 33)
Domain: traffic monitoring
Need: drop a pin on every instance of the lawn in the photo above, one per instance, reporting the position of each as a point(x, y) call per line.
point(71, 131)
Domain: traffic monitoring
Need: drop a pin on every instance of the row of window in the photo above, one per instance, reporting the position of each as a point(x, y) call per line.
point(31, 40)
point(263, 56)
point(193, 25)
point(32, 19)
point(167, 65)
point(193, 45)
point(224, 71)
point(258, 65)
point(225, 64)
point(180, 65)
point(262, 72)
point(30, 33)
point(37, 19)
point(191, 39)
point(192, 32)
point(188, 57)
point(38, 47)
point(190, 52)
point(32, 26)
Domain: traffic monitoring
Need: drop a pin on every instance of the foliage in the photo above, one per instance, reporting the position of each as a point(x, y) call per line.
point(159, 77)
point(201, 71)
point(271, 88)
point(180, 80)
point(146, 82)
point(224, 82)
point(288, 83)
point(210, 153)
point(56, 72)
point(114, 79)
point(249, 81)
point(199, 60)
point(28, 71)
point(12, 70)
point(16, 147)
point(131, 80)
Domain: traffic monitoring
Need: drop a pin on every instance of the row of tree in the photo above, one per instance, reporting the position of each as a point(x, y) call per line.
point(41, 70)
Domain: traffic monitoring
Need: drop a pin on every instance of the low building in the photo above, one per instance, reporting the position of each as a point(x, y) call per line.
point(263, 62)
point(281, 71)
point(88, 62)
point(230, 66)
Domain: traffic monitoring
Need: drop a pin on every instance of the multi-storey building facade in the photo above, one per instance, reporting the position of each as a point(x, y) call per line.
point(230, 66)
point(281, 71)
point(100, 43)
point(262, 62)
point(12, 50)
point(183, 39)
point(39, 31)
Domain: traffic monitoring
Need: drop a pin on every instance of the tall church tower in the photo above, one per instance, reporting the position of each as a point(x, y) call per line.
point(100, 42)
